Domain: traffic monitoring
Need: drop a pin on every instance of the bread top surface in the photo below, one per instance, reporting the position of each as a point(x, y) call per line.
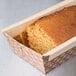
point(60, 26)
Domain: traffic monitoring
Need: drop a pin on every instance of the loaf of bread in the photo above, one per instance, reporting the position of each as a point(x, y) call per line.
point(52, 30)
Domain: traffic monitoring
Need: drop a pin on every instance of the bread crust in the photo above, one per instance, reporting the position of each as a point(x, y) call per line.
point(60, 26)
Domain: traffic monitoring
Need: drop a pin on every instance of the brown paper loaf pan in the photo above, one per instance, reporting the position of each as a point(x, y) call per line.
point(51, 59)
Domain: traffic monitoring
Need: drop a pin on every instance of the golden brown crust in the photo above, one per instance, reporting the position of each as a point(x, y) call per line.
point(61, 25)
point(23, 36)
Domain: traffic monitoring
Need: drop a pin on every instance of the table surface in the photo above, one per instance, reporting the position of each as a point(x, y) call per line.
point(12, 11)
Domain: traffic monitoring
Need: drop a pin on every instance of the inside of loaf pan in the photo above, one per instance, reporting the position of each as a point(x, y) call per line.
point(18, 27)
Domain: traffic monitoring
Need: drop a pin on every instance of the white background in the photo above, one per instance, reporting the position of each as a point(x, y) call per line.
point(12, 11)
